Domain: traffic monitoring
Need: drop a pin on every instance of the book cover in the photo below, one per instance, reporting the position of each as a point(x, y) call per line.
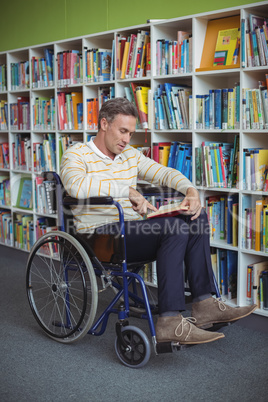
point(232, 274)
point(168, 210)
point(227, 47)
point(24, 199)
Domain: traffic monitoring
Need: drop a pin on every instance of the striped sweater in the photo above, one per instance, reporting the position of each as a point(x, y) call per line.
point(86, 172)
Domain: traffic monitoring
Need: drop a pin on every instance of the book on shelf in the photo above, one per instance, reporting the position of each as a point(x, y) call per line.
point(25, 194)
point(3, 77)
point(227, 47)
point(5, 199)
point(171, 209)
point(6, 227)
point(3, 115)
point(253, 290)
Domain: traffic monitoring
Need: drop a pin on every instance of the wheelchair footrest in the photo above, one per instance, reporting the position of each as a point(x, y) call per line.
point(169, 347)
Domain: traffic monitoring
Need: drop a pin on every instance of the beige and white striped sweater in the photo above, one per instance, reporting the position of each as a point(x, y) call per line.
point(85, 173)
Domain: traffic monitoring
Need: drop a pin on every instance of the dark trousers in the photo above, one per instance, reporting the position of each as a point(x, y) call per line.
point(172, 241)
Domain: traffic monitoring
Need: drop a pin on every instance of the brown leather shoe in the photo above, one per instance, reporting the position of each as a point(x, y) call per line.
point(182, 330)
point(212, 311)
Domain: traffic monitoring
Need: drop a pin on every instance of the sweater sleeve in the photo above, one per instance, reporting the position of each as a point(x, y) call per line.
point(156, 173)
point(84, 177)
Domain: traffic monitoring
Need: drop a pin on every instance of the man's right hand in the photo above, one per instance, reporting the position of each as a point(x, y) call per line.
point(139, 203)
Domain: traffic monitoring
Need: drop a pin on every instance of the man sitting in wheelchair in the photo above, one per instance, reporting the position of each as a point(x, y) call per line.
point(108, 166)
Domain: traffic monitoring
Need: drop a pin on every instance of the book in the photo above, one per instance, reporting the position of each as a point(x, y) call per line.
point(168, 210)
point(227, 47)
point(24, 199)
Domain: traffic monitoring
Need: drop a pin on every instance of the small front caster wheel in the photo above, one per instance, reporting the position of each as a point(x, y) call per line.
point(138, 350)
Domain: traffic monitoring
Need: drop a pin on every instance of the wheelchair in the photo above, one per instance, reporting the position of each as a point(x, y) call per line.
point(63, 277)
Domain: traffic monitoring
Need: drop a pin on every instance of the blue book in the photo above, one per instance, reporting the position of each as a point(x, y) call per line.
point(218, 108)
point(161, 115)
point(206, 106)
point(188, 167)
point(180, 156)
point(172, 154)
point(211, 109)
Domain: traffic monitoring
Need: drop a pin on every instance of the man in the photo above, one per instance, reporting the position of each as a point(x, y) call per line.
point(107, 165)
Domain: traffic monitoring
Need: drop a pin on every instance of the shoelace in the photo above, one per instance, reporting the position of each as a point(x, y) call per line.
point(221, 304)
point(185, 321)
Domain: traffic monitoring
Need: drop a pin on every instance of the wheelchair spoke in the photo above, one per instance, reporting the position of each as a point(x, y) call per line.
point(62, 291)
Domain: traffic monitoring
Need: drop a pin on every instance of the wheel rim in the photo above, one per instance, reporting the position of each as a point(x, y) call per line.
point(61, 288)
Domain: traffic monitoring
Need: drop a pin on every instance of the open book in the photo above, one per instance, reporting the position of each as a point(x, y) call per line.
point(168, 210)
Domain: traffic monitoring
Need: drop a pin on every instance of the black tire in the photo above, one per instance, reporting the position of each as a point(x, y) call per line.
point(139, 350)
point(61, 287)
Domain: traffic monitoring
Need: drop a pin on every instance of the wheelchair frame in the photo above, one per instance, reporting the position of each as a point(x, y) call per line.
point(131, 344)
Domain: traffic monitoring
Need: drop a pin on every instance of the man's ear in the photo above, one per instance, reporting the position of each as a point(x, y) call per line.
point(104, 124)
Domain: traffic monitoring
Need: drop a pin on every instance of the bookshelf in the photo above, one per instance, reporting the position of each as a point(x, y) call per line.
point(37, 100)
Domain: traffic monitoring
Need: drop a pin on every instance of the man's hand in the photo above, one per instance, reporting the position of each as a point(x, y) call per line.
point(193, 201)
point(139, 203)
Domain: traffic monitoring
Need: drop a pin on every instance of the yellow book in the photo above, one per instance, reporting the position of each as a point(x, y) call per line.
point(164, 154)
point(261, 167)
point(235, 225)
point(231, 106)
point(227, 47)
point(142, 99)
point(124, 62)
point(255, 110)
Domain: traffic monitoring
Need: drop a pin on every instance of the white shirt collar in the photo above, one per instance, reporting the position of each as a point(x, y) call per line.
point(98, 152)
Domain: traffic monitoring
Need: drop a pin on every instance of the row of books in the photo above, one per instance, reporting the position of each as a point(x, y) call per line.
point(219, 109)
point(255, 169)
point(255, 223)
point(20, 114)
point(177, 155)
point(172, 105)
point(174, 57)
point(224, 264)
point(217, 164)
point(70, 110)
point(3, 115)
point(5, 199)
point(44, 154)
point(3, 77)
point(222, 212)
point(254, 35)
point(133, 55)
point(65, 141)
point(257, 284)
point(99, 65)
point(42, 70)
point(6, 227)
point(4, 155)
point(70, 68)
point(255, 107)
point(44, 113)
point(45, 196)
point(23, 231)
point(21, 152)
point(95, 104)
point(20, 75)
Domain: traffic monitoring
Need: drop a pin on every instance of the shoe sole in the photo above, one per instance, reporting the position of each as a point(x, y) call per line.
point(208, 325)
point(191, 343)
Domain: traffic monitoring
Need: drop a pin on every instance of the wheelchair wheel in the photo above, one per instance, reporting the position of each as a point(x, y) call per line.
point(61, 287)
point(138, 352)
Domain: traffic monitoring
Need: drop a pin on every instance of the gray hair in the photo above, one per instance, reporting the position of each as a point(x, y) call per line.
point(111, 108)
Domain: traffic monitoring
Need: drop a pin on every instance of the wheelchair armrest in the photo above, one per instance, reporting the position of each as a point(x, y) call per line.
point(68, 200)
point(158, 191)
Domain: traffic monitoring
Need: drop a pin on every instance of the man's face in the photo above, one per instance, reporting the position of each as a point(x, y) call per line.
point(117, 134)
